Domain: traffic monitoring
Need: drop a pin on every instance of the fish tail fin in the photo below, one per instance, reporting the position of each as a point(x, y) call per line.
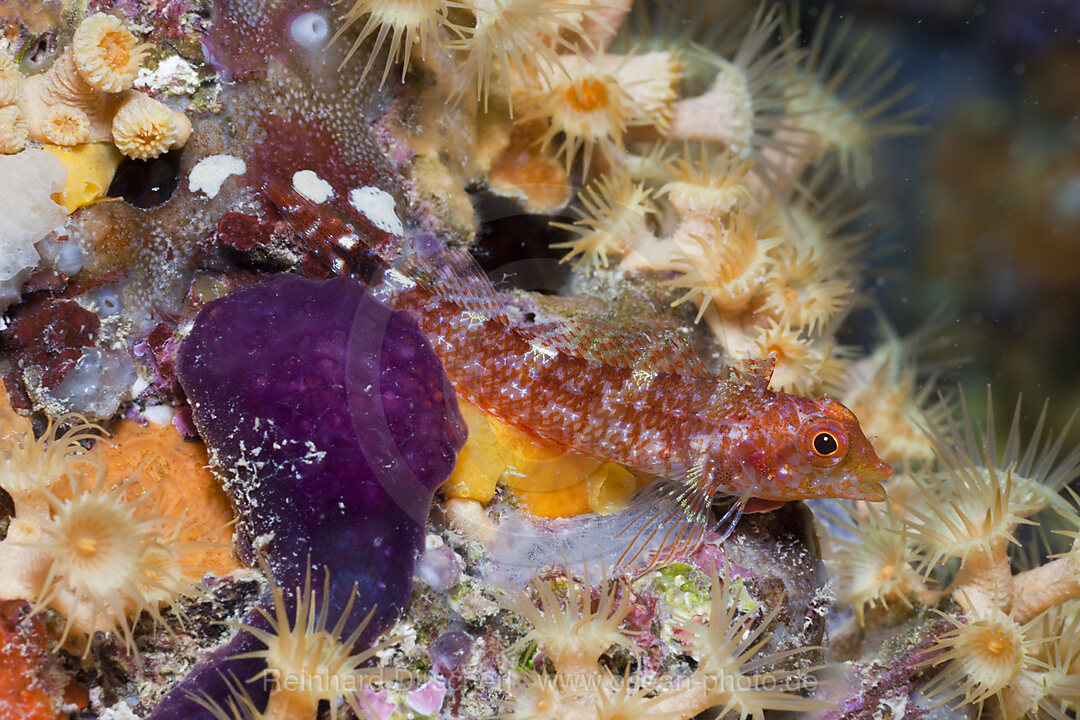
point(326, 236)
point(446, 272)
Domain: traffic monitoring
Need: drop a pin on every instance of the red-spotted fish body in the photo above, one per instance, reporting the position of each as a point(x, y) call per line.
point(638, 400)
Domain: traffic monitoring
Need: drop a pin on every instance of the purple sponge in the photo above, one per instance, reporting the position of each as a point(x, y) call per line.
point(333, 423)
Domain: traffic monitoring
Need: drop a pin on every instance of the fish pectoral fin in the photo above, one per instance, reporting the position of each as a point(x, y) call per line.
point(668, 520)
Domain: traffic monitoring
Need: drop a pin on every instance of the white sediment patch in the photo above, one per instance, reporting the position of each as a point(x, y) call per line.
point(211, 172)
point(174, 76)
point(311, 186)
point(159, 414)
point(378, 206)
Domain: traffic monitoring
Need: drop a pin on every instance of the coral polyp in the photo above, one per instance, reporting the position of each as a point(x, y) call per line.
point(516, 40)
point(570, 631)
point(28, 462)
point(107, 560)
point(613, 220)
point(589, 110)
point(399, 25)
point(722, 268)
point(106, 53)
point(982, 656)
point(308, 657)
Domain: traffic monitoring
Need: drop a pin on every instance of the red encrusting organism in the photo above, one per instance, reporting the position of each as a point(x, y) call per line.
point(643, 400)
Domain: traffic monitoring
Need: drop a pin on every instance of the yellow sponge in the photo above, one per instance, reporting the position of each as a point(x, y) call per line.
point(547, 481)
point(90, 170)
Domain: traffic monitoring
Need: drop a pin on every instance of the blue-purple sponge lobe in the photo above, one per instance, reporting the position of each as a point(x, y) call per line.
point(332, 421)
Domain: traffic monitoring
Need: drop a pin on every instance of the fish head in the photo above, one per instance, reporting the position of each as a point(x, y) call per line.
point(819, 450)
point(836, 456)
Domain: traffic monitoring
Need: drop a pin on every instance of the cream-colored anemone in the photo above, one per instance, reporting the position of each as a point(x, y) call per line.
point(743, 108)
point(732, 672)
point(805, 291)
point(108, 560)
point(406, 24)
point(841, 94)
point(13, 130)
point(65, 125)
point(803, 363)
point(873, 561)
point(982, 656)
point(586, 110)
point(106, 53)
point(613, 220)
point(517, 39)
point(704, 184)
point(650, 80)
point(725, 267)
point(144, 128)
point(10, 80)
point(889, 409)
point(28, 463)
point(308, 657)
point(572, 633)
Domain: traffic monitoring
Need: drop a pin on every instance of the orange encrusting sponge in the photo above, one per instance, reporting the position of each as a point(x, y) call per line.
point(25, 662)
point(173, 473)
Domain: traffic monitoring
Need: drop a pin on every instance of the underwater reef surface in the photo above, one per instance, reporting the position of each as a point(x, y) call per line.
point(699, 169)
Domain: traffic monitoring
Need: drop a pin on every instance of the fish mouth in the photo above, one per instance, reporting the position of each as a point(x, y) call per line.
point(867, 483)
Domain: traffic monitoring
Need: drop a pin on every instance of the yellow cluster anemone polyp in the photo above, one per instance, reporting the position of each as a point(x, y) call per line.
point(108, 561)
point(804, 292)
point(81, 542)
point(144, 129)
point(704, 187)
point(548, 482)
point(407, 24)
point(802, 363)
point(590, 112)
point(725, 267)
point(570, 631)
point(107, 55)
point(612, 220)
point(982, 657)
point(86, 97)
point(308, 659)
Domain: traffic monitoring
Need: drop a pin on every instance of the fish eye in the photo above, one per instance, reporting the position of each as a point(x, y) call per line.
point(825, 444)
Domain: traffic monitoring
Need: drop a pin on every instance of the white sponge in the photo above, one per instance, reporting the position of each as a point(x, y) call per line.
point(27, 212)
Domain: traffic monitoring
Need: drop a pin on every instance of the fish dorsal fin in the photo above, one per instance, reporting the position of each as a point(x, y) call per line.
point(753, 372)
point(617, 344)
point(452, 274)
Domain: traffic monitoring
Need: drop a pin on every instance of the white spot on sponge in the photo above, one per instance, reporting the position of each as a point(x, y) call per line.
point(378, 206)
point(211, 172)
point(311, 186)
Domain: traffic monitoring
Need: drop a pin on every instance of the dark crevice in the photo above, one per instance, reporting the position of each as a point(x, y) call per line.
point(147, 183)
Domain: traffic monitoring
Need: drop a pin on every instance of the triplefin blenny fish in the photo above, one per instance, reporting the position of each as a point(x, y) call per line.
point(637, 397)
